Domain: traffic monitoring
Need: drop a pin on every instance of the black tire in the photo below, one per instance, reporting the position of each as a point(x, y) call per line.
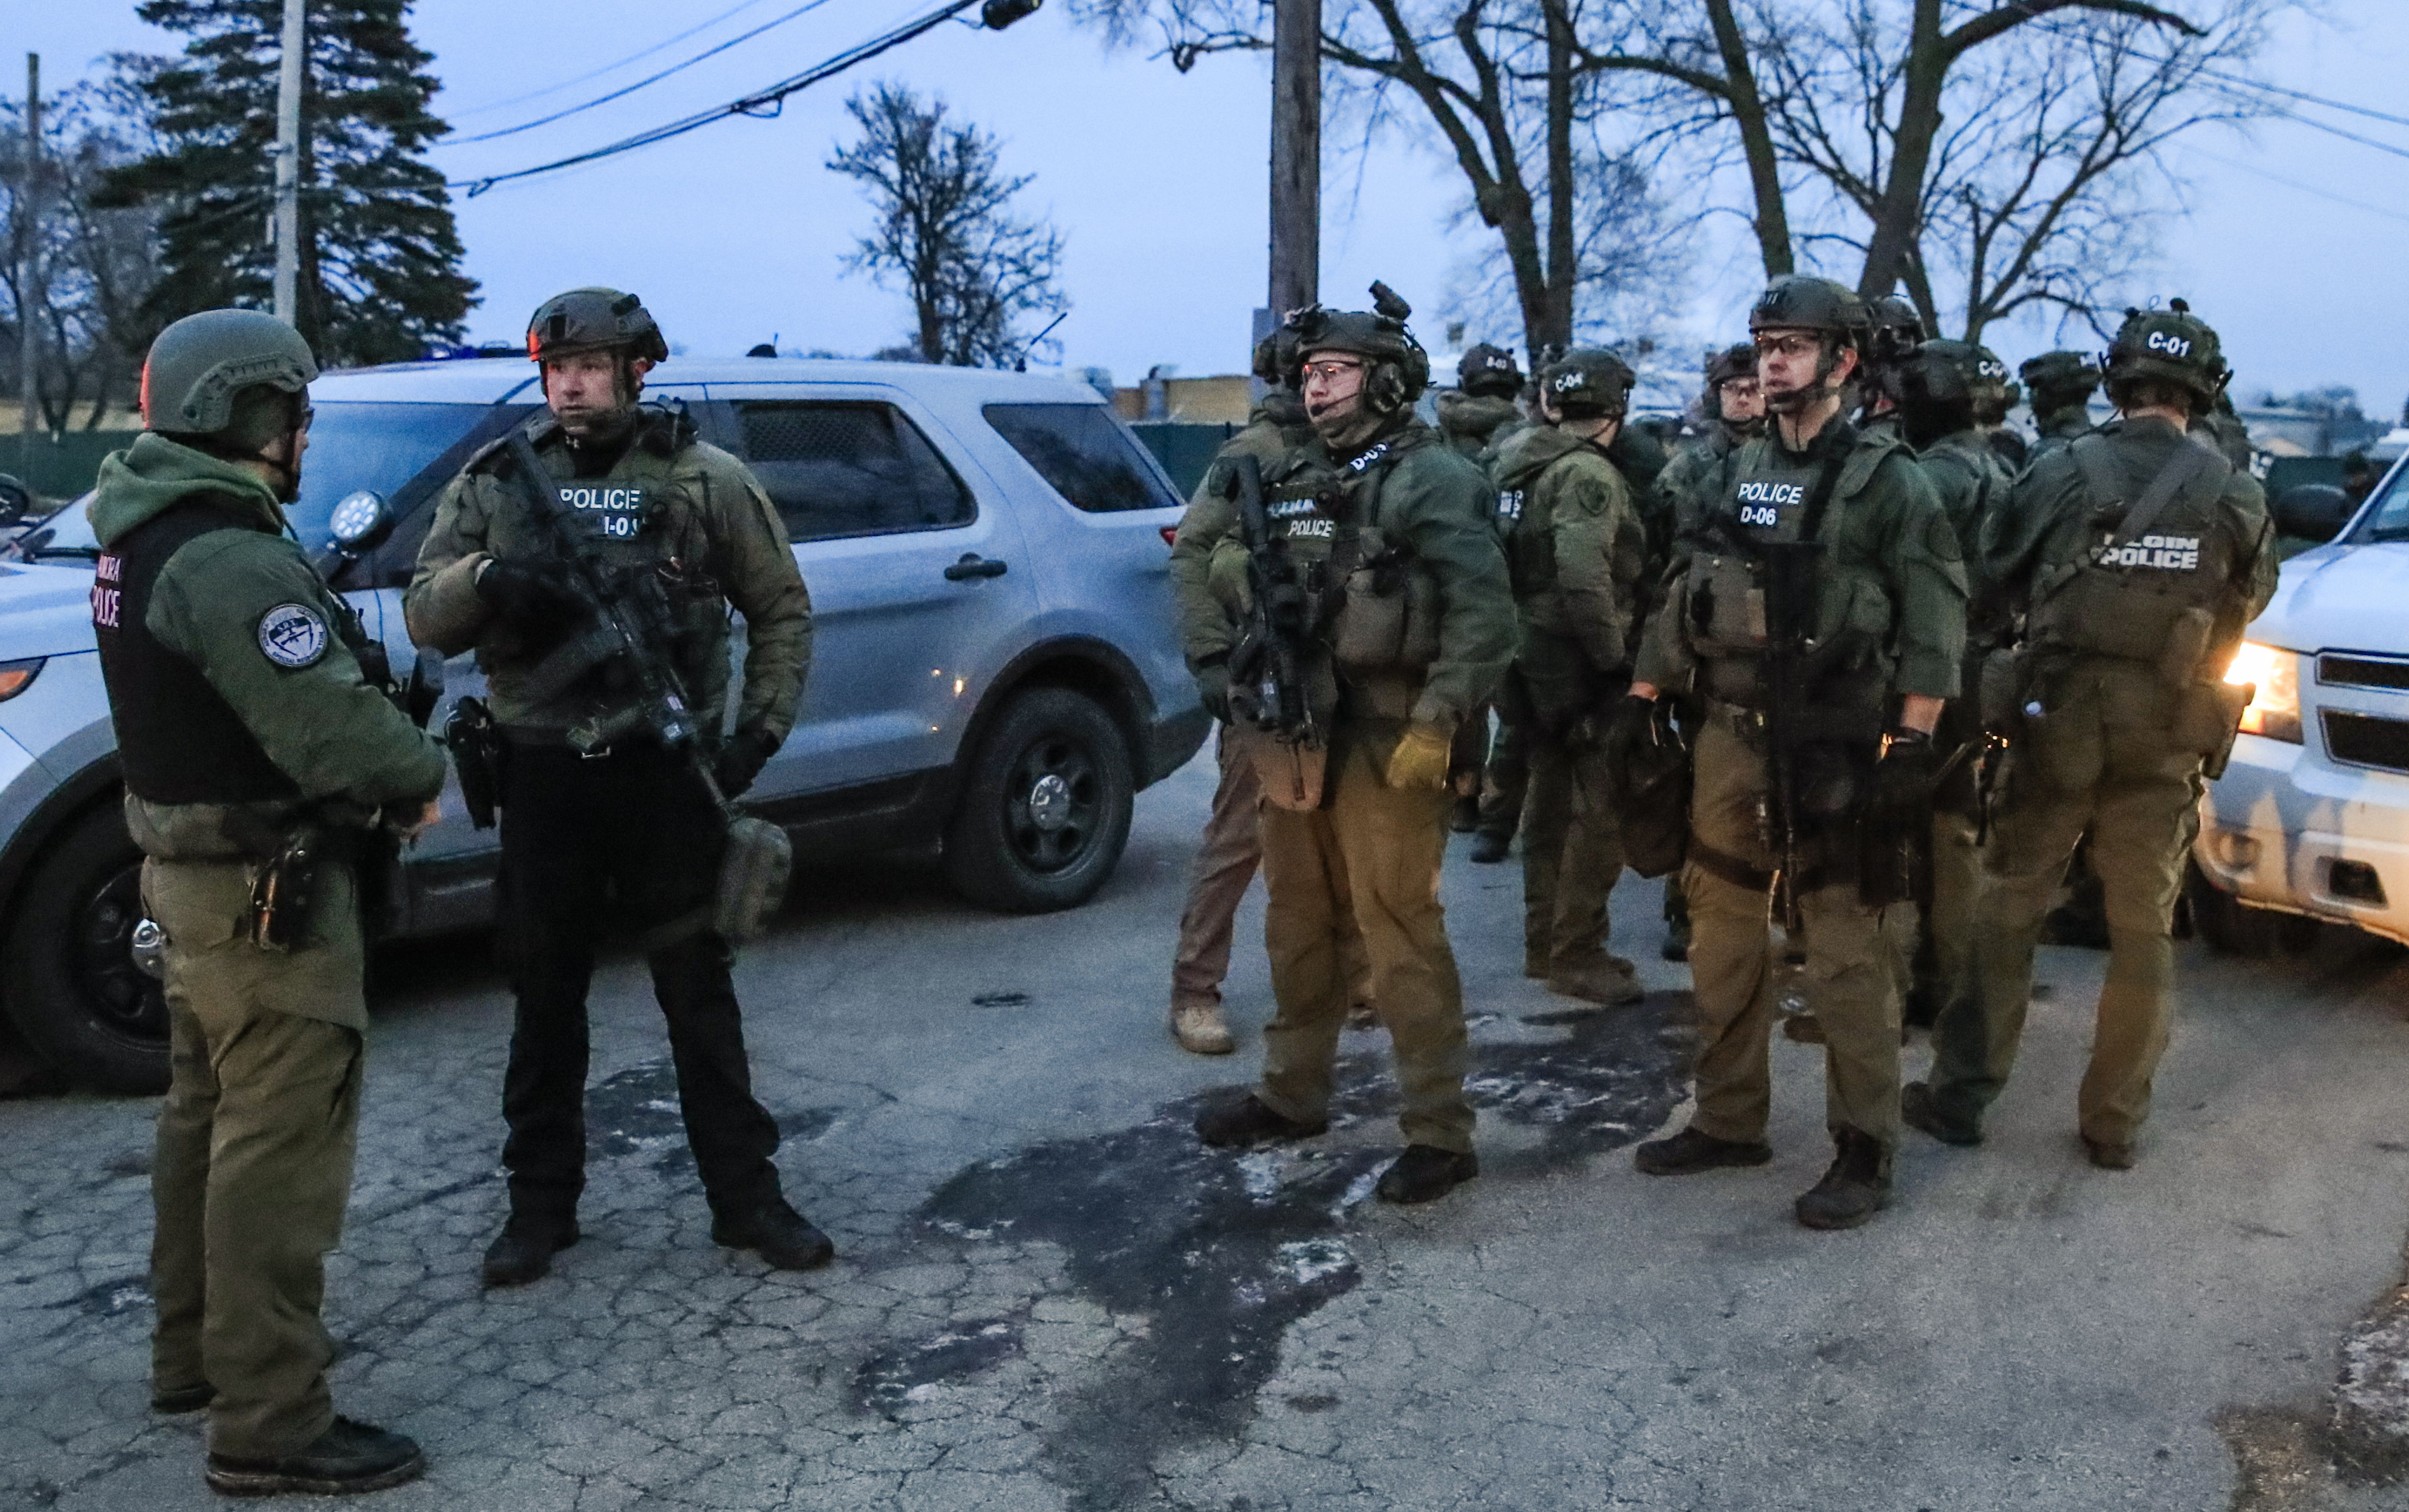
point(2230, 926)
point(73, 989)
point(1043, 815)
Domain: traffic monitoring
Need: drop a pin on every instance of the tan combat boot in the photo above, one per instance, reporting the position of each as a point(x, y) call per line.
point(1199, 1029)
point(1601, 979)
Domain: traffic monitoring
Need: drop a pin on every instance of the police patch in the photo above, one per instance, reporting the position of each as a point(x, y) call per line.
point(293, 635)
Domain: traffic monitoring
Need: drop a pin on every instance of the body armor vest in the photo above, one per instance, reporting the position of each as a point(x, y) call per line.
point(2158, 597)
point(1374, 604)
point(178, 739)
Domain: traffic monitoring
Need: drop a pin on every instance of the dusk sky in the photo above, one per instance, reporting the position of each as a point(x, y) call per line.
point(733, 233)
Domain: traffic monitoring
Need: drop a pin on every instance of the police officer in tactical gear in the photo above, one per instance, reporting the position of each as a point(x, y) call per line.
point(1209, 565)
point(1941, 389)
point(1476, 415)
point(1387, 535)
point(258, 758)
point(2060, 385)
point(628, 829)
point(1578, 554)
point(2133, 557)
point(1817, 617)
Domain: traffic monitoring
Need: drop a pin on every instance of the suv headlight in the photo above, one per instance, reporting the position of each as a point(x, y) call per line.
point(2274, 675)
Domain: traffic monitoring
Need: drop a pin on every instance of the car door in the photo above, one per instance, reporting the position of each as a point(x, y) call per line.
point(920, 591)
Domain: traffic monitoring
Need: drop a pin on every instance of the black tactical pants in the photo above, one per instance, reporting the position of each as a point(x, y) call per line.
point(624, 846)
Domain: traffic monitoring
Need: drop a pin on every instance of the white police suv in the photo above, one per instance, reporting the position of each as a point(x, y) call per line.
point(996, 666)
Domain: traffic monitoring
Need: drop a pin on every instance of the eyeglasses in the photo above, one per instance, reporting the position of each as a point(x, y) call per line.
point(1789, 344)
point(307, 415)
point(1330, 372)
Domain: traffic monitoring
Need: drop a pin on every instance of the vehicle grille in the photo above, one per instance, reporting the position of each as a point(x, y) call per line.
point(2362, 673)
point(2364, 741)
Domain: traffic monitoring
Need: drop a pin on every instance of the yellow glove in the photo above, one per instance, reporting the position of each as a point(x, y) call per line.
point(1420, 758)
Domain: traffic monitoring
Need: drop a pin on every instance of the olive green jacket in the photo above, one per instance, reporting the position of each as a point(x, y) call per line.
point(1208, 554)
point(1885, 527)
point(1431, 502)
point(2051, 431)
point(1577, 549)
point(1692, 481)
point(709, 515)
point(1477, 424)
point(341, 741)
point(1973, 485)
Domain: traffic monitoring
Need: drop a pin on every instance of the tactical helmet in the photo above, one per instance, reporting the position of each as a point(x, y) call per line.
point(1489, 370)
point(1955, 372)
point(2060, 381)
point(198, 369)
point(1277, 357)
point(1732, 362)
point(2173, 345)
point(1898, 329)
point(1795, 301)
point(1587, 383)
point(593, 320)
point(1400, 368)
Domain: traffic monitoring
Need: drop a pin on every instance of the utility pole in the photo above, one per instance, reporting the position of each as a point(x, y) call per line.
point(29, 271)
point(288, 161)
point(1296, 155)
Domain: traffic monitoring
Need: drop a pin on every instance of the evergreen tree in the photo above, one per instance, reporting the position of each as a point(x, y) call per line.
point(380, 257)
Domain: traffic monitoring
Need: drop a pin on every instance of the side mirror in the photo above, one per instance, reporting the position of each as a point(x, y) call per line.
point(359, 521)
point(16, 501)
point(2311, 512)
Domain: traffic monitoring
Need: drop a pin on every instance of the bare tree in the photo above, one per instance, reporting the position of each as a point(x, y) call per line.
point(945, 230)
point(93, 267)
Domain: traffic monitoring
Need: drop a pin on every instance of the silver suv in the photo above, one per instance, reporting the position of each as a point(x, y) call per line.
point(996, 667)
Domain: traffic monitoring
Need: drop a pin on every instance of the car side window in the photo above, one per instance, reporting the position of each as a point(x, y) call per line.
point(1091, 461)
point(849, 469)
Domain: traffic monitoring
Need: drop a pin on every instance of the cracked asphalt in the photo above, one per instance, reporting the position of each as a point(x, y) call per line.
point(1048, 1297)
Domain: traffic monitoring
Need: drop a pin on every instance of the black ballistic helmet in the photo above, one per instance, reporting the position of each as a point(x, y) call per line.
point(1898, 330)
point(595, 320)
point(2171, 345)
point(1955, 372)
point(1400, 368)
point(1797, 301)
point(1277, 357)
point(1489, 371)
point(1587, 383)
point(1732, 362)
point(2069, 376)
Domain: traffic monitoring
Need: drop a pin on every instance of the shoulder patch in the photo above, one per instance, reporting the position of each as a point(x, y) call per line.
point(292, 636)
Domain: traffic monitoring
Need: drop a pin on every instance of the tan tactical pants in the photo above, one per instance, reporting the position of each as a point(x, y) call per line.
point(1849, 983)
point(254, 1154)
point(1572, 855)
point(2098, 758)
point(1231, 849)
point(1373, 854)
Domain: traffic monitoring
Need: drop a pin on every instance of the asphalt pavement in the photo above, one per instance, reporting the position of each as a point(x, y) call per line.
point(1048, 1297)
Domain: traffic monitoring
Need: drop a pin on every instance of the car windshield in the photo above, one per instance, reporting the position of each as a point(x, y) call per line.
point(2387, 514)
point(352, 446)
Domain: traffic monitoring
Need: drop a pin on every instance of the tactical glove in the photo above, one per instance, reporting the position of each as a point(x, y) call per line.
point(1904, 780)
point(742, 759)
point(1626, 731)
point(533, 595)
point(1422, 758)
point(1213, 690)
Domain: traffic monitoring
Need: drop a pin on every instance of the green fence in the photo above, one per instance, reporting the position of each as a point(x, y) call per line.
point(64, 466)
point(1184, 450)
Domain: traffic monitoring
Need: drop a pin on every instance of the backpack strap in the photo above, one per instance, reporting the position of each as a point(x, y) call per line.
point(2190, 463)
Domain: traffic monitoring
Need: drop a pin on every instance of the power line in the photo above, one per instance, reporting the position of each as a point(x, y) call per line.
point(999, 14)
point(2295, 183)
point(607, 68)
point(641, 83)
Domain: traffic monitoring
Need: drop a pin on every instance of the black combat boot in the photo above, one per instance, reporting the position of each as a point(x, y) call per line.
point(1491, 848)
point(1245, 1120)
point(1856, 1188)
point(524, 1251)
point(1919, 1107)
point(773, 1228)
point(181, 1399)
point(1425, 1172)
point(1465, 816)
point(347, 1458)
point(1689, 1152)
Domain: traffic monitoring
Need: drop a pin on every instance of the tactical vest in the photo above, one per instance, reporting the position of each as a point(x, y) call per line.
point(178, 739)
point(636, 523)
point(2155, 597)
point(1377, 605)
point(1843, 648)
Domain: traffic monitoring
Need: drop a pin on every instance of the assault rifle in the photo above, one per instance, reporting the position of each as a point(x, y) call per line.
point(621, 651)
point(1268, 668)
